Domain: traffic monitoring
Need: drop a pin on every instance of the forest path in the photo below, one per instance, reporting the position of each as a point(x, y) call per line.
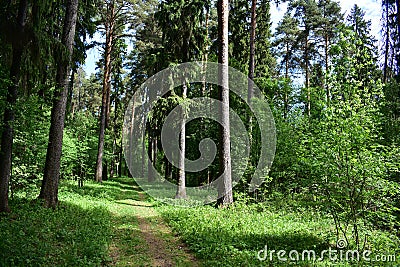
point(140, 236)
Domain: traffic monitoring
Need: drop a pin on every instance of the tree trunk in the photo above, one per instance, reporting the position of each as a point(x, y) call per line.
point(398, 30)
point(150, 147)
point(387, 40)
point(100, 147)
point(113, 161)
point(328, 92)
point(8, 132)
point(250, 89)
point(105, 101)
point(250, 92)
point(307, 79)
point(225, 196)
point(286, 97)
point(49, 189)
point(181, 189)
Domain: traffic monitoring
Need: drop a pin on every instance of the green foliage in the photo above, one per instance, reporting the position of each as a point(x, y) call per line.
point(77, 233)
point(233, 236)
point(30, 143)
point(346, 161)
point(79, 147)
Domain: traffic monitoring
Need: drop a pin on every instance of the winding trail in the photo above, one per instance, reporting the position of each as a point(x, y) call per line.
point(140, 236)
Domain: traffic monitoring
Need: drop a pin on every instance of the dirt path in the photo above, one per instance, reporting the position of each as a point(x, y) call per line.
point(140, 236)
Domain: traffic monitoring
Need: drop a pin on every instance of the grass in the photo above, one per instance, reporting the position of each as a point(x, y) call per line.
point(75, 234)
point(95, 225)
point(233, 236)
point(109, 224)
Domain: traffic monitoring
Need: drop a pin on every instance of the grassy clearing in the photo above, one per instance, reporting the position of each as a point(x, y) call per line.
point(75, 234)
point(233, 236)
point(112, 224)
point(109, 224)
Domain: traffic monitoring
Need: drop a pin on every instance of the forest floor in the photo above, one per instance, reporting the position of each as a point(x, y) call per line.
point(108, 224)
point(117, 224)
point(140, 236)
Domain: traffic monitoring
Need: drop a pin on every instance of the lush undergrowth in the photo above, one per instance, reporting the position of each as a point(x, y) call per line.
point(74, 234)
point(234, 236)
point(77, 233)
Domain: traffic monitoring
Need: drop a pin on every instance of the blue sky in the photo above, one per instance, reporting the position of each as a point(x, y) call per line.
point(372, 10)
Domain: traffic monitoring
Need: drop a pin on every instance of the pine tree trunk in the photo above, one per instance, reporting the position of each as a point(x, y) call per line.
point(100, 147)
point(250, 92)
point(307, 79)
point(398, 22)
point(328, 92)
point(387, 40)
point(105, 101)
point(49, 189)
point(8, 132)
point(181, 189)
point(286, 98)
point(150, 147)
point(250, 89)
point(225, 196)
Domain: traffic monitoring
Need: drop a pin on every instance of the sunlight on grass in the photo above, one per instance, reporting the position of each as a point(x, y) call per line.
point(233, 236)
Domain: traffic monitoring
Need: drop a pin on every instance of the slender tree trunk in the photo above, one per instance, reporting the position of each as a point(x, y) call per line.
point(181, 189)
point(328, 92)
point(307, 79)
point(287, 62)
point(387, 40)
point(398, 32)
point(100, 147)
point(105, 101)
point(150, 147)
point(121, 160)
point(69, 107)
point(8, 132)
point(225, 196)
point(250, 91)
point(113, 163)
point(155, 150)
point(204, 85)
point(286, 97)
point(49, 189)
point(398, 15)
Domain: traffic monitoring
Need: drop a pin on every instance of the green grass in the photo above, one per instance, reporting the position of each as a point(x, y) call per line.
point(75, 234)
point(233, 236)
point(97, 225)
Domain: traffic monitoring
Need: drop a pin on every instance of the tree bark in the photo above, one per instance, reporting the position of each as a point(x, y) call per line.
point(250, 89)
point(398, 31)
point(328, 92)
point(105, 101)
point(387, 40)
point(250, 93)
point(49, 189)
point(150, 147)
point(12, 92)
point(225, 196)
point(307, 78)
point(181, 189)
